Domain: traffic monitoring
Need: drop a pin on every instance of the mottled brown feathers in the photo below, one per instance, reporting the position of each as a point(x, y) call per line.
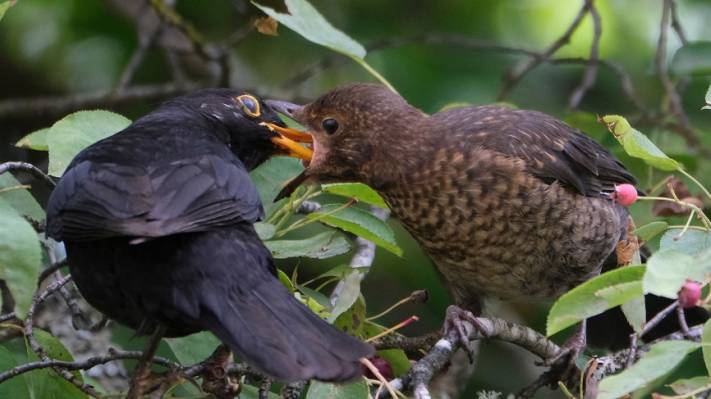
point(508, 203)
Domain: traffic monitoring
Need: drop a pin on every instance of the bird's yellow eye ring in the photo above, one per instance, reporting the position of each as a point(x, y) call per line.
point(250, 105)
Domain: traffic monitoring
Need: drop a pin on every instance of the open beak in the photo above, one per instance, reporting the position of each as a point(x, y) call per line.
point(289, 139)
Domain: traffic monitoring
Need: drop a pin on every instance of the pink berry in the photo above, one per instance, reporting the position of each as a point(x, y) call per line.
point(383, 367)
point(625, 194)
point(689, 294)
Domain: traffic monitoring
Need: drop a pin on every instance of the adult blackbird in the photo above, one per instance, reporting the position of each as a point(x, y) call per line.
point(158, 225)
point(509, 204)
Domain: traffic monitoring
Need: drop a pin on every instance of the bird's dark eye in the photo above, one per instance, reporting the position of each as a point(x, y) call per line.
point(330, 125)
point(250, 105)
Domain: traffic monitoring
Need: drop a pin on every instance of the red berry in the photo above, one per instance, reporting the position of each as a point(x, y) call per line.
point(383, 367)
point(689, 294)
point(625, 194)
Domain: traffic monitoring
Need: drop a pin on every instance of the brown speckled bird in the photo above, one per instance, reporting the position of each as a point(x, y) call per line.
point(509, 204)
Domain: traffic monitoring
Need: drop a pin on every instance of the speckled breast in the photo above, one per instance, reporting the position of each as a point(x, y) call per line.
point(495, 230)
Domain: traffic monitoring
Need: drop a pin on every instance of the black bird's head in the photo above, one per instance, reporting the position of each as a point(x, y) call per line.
point(243, 121)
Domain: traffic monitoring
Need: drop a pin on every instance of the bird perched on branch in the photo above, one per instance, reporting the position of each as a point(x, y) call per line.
point(158, 225)
point(509, 204)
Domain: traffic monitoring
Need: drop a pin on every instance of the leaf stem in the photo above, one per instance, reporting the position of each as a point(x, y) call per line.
point(375, 73)
point(311, 219)
point(698, 183)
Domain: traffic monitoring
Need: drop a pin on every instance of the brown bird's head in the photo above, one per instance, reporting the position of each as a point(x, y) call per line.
point(356, 129)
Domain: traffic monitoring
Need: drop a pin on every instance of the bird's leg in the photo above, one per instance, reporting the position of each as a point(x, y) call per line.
point(562, 365)
point(143, 369)
point(454, 319)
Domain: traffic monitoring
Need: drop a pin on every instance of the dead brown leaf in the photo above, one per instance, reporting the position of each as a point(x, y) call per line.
point(267, 26)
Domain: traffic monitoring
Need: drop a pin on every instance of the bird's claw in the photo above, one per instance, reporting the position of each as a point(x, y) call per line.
point(562, 364)
point(454, 319)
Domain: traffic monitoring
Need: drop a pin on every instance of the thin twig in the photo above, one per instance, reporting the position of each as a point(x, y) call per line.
point(518, 71)
point(676, 25)
point(29, 168)
point(591, 69)
point(660, 61)
point(146, 40)
point(143, 367)
point(682, 320)
point(440, 354)
point(38, 349)
point(59, 105)
point(85, 364)
point(648, 326)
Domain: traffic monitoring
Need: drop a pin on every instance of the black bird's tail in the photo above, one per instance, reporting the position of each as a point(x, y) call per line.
point(275, 333)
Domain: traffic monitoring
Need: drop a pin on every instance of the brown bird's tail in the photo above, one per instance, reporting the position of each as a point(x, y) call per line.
point(271, 330)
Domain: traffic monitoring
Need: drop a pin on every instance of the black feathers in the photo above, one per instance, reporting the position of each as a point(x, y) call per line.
point(157, 222)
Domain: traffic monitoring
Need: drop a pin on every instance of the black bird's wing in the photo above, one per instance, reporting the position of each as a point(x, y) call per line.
point(98, 199)
point(225, 281)
point(551, 150)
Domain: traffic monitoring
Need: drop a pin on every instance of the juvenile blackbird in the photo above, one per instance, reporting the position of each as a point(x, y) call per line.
point(509, 204)
point(158, 225)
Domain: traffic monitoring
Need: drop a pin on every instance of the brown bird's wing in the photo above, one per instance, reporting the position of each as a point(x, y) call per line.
point(552, 150)
point(97, 199)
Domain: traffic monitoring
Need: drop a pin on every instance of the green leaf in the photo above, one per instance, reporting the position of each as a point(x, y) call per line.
point(36, 140)
point(341, 271)
point(16, 387)
point(305, 20)
point(323, 390)
point(692, 242)
point(77, 131)
point(661, 359)
point(320, 246)
point(595, 296)
point(637, 145)
point(353, 320)
point(667, 270)
point(692, 59)
point(650, 230)
point(4, 6)
point(20, 199)
point(46, 383)
point(359, 191)
point(360, 223)
point(285, 280)
point(635, 311)
point(271, 176)
point(20, 256)
point(707, 99)
point(686, 385)
point(193, 348)
point(265, 231)
point(350, 291)
point(252, 392)
point(397, 359)
point(706, 345)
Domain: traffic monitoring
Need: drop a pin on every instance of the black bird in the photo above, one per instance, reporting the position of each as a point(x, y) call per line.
point(158, 225)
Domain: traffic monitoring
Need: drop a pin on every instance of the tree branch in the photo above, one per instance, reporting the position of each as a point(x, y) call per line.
point(518, 71)
point(591, 69)
point(60, 105)
point(29, 168)
point(441, 353)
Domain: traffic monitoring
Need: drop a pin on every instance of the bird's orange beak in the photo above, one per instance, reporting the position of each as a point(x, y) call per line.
point(289, 139)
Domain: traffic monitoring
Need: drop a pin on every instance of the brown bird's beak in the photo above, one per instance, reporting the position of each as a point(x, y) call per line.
point(289, 139)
